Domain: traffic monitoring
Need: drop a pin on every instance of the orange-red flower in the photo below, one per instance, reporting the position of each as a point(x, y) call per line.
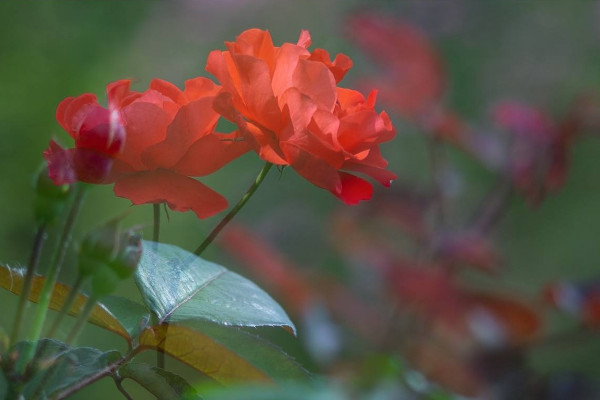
point(286, 102)
point(169, 138)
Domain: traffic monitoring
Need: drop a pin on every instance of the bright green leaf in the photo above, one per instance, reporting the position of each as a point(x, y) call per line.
point(177, 285)
point(163, 384)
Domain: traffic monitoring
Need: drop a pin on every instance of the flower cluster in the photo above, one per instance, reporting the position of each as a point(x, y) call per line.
point(284, 100)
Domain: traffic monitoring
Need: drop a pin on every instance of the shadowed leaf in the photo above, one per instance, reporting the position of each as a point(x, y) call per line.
point(163, 384)
point(226, 354)
point(61, 366)
point(116, 314)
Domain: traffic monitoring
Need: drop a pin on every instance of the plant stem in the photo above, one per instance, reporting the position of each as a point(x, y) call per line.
point(108, 370)
point(81, 320)
point(160, 357)
point(213, 234)
point(119, 383)
point(53, 271)
point(67, 305)
point(156, 231)
point(38, 243)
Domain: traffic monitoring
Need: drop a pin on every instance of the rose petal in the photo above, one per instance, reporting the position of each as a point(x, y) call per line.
point(285, 65)
point(256, 43)
point(116, 92)
point(101, 130)
point(260, 140)
point(221, 65)
point(354, 189)
point(60, 168)
point(146, 124)
point(169, 90)
point(200, 87)
point(313, 168)
point(180, 192)
point(315, 80)
point(298, 108)
point(194, 120)
point(72, 165)
point(339, 67)
point(210, 153)
point(304, 40)
point(71, 111)
point(255, 85)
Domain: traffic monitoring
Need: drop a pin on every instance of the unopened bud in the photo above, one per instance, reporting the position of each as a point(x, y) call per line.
point(130, 253)
point(99, 248)
point(50, 199)
point(109, 256)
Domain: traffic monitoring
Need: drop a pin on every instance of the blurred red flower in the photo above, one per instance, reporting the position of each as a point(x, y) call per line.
point(289, 109)
point(411, 77)
point(169, 138)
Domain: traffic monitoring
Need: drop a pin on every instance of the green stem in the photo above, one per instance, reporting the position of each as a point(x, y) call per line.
point(119, 383)
point(68, 304)
point(213, 234)
point(160, 357)
point(81, 320)
point(156, 231)
point(38, 243)
point(53, 271)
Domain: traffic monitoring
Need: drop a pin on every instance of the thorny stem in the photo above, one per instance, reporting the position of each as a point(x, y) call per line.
point(81, 320)
point(213, 234)
point(67, 305)
point(53, 271)
point(38, 243)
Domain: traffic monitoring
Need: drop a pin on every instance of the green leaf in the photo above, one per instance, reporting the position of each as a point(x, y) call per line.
point(224, 353)
point(61, 366)
point(116, 314)
point(177, 285)
point(163, 384)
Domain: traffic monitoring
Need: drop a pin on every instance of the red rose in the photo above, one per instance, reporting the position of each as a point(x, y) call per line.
point(170, 137)
point(286, 102)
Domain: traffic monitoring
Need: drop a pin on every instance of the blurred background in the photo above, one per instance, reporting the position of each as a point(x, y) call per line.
point(540, 56)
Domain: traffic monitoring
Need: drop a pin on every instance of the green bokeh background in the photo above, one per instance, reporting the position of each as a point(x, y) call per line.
point(539, 52)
